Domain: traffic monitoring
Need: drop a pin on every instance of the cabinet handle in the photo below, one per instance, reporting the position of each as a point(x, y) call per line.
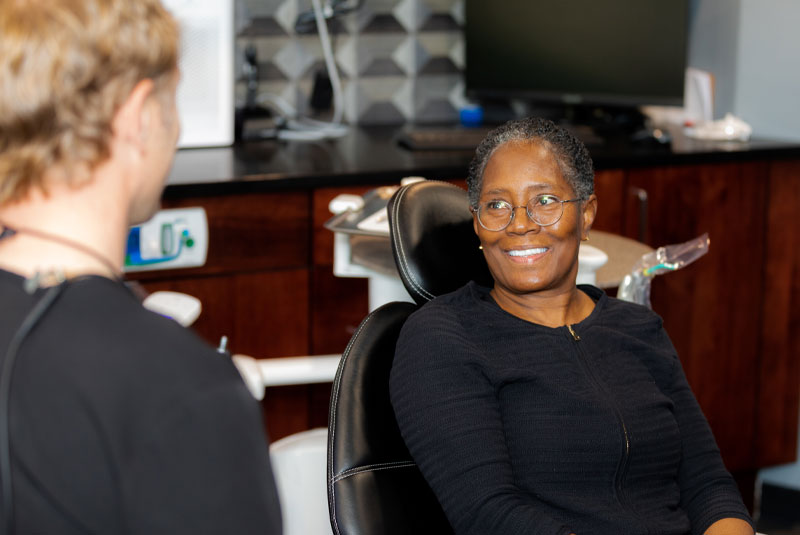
point(642, 198)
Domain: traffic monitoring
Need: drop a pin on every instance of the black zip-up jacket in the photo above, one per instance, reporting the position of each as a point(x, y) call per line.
point(586, 428)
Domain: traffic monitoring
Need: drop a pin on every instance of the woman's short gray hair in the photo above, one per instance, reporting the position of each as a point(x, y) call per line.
point(570, 153)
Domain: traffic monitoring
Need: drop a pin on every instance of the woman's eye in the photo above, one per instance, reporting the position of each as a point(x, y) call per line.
point(544, 200)
point(496, 205)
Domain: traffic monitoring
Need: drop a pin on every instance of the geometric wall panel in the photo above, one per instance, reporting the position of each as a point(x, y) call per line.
point(399, 60)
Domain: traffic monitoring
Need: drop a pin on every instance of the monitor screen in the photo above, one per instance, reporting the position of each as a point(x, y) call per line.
point(606, 52)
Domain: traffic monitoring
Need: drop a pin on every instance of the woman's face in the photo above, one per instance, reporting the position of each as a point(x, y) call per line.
point(525, 257)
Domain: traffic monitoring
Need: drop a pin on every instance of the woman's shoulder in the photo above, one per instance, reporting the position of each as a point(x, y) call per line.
point(445, 319)
point(624, 311)
point(468, 295)
point(615, 318)
point(636, 327)
point(454, 306)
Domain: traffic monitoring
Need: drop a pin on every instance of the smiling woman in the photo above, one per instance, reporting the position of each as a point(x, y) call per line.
point(531, 260)
point(540, 406)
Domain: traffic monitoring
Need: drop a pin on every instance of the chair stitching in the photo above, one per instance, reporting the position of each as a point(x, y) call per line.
point(409, 275)
point(332, 427)
point(373, 468)
point(403, 257)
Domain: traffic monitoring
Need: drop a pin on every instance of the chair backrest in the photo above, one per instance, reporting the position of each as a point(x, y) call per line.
point(374, 486)
point(433, 241)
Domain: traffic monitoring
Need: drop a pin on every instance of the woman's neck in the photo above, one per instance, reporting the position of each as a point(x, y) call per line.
point(549, 308)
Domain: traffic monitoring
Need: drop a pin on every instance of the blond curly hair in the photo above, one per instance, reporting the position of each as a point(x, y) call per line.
point(66, 66)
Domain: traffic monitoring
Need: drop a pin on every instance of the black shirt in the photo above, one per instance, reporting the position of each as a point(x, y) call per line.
point(525, 429)
point(122, 421)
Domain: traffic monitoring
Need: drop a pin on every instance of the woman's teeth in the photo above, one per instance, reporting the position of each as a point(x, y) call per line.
point(527, 252)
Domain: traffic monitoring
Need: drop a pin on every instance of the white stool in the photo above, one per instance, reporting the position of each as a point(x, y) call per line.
point(299, 463)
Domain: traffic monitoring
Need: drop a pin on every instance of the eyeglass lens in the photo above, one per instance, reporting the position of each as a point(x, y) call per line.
point(544, 210)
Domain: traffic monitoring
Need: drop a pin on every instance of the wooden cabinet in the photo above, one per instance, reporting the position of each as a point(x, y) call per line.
point(730, 314)
point(255, 288)
point(711, 308)
point(609, 186)
point(779, 355)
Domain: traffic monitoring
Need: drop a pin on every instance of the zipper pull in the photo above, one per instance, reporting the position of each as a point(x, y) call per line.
point(573, 333)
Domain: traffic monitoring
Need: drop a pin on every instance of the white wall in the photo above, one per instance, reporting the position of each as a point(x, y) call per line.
point(753, 49)
point(713, 46)
point(768, 72)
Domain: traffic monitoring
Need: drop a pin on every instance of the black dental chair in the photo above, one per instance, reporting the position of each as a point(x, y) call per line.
point(374, 487)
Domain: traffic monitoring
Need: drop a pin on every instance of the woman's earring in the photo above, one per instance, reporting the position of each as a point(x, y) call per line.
point(480, 247)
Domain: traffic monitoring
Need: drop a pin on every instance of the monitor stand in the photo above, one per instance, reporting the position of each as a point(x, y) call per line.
point(594, 125)
point(604, 121)
point(585, 133)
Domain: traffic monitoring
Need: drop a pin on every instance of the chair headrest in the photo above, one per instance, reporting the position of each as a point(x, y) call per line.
point(433, 240)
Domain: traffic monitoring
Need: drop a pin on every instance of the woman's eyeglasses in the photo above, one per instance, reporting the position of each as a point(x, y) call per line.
point(544, 210)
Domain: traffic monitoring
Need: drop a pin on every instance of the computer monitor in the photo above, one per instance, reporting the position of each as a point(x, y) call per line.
point(574, 52)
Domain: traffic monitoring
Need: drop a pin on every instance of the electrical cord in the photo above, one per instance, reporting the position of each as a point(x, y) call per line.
point(333, 8)
point(30, 321)
point(307, 129)
point(330, 63)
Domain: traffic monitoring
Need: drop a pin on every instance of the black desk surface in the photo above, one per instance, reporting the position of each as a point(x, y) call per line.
point(372, 156)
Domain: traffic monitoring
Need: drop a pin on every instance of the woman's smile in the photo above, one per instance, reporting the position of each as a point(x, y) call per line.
point(527, 255)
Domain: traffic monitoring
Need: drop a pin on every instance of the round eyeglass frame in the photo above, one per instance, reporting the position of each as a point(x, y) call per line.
point(528, 211)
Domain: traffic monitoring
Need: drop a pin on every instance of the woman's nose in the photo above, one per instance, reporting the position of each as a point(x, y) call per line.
point(521, 222)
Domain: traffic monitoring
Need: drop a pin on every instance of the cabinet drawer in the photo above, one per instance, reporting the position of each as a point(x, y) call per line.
point(248, 232)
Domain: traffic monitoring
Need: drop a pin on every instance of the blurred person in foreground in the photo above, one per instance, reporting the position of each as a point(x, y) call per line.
point(539, 406)
point(112, 419)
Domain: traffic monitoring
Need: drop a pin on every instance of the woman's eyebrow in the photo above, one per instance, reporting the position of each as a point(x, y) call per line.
point(495, 191)
point(538, 186)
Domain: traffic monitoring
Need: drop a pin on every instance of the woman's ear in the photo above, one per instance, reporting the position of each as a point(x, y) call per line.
point(588, 214)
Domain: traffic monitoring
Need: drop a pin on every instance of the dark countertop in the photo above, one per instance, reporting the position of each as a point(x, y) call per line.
point(372, 156)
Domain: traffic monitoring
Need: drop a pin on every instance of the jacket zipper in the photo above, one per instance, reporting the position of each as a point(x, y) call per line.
point(572, 332)
point(623, 467)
